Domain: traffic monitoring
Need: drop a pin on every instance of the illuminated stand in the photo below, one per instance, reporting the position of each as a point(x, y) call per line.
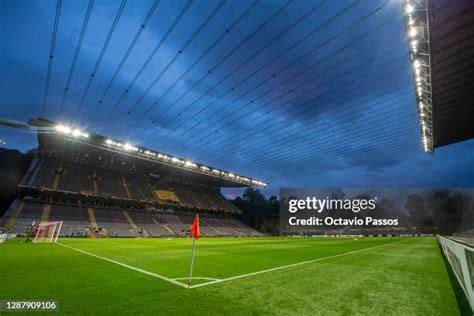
point(79, 136)
point(417, 27)
point(48, 232)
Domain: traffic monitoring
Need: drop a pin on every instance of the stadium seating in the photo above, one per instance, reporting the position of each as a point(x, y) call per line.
point(136, 190)
point(150, 223)
point(75, 178)
point(44, 175)
point(110, 183)
point(18, 223)
point(185, 196)
point(101, 200)
point(174, 223)
point(115, 222)
point(78, 177)
point(77, 221)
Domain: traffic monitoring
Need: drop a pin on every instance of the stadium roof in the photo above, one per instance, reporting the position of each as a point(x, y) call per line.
point(452, 59)
point(276, 89)
point(76, 144)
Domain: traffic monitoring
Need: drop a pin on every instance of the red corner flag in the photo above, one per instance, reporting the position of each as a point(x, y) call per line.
point(195, 227)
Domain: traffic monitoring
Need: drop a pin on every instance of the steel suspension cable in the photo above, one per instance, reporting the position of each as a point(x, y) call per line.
point(263, 115)
point(369, 82)
point(272, 89)
point(101, 55)
point(127, 54)
point(152, 54)
point(344, 149)
point(219, 6)
point(222, 60)
point(253, 56)
point(76, 53)
point(273, 75)
point(329, 140)
point(310, 123)
point(256, 120)
point(51, 56)
point(390, 152)
point(227, 31)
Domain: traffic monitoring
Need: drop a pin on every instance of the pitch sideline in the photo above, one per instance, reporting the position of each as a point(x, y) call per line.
point(215, 281)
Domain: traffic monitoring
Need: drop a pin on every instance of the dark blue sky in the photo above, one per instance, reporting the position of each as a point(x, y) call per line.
point(299, 93)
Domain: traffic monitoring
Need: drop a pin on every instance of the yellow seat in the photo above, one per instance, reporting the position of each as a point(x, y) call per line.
point(166, 195)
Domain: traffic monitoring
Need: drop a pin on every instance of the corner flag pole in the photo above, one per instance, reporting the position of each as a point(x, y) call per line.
point(195, 232)
point(192, 263)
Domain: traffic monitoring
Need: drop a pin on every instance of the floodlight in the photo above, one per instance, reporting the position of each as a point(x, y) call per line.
point(176, 160)
point(63, 129)
point(190, 164)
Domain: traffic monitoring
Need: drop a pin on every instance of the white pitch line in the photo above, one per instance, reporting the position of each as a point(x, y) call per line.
point(176, 282)
point(289, 266)
point(197, 278)
point(158, 276)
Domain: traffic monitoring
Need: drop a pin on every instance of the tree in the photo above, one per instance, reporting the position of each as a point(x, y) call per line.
point(258, 211)
point(416, 208)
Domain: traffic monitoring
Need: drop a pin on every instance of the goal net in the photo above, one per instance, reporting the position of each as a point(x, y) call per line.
point(48, 232)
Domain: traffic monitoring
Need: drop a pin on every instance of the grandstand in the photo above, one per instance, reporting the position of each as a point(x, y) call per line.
point(98, 190)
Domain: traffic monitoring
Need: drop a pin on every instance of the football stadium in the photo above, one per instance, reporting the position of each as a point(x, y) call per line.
point(237, 157)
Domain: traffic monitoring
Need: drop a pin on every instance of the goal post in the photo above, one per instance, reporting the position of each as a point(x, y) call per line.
point(48, 232)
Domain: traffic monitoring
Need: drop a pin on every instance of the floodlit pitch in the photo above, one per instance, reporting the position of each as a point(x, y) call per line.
point(298, 275)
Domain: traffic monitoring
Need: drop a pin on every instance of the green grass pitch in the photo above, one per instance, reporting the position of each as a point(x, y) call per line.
point(373, 276)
